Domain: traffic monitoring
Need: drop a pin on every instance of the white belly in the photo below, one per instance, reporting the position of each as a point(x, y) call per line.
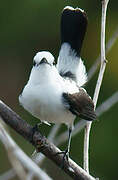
point(46, 104)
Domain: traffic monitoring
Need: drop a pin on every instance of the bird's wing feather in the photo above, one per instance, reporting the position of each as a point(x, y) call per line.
point(80, 104)
point(73, 28)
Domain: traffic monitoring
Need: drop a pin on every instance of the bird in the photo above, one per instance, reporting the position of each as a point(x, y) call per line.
point(56, 93)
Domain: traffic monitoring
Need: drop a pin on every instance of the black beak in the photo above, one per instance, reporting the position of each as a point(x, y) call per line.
point(44, 60)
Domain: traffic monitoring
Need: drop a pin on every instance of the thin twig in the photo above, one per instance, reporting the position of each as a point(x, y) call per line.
point(109, 45)
point(98, 85)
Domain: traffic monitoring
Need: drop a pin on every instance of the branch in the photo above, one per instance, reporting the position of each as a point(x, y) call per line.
point(41, 143)
point(98, 85)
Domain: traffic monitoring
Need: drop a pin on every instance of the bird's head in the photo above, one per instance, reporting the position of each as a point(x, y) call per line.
point(42, 67)
point(42, 58)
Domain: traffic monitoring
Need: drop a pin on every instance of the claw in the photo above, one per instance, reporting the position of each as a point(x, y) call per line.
point(34, 129)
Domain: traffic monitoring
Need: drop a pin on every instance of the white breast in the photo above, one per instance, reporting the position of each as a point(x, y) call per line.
point(44, 100)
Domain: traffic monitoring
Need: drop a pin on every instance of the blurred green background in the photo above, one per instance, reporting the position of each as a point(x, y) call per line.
point(29, 26)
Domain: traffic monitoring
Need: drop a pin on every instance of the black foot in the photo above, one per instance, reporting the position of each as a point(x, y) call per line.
point(65, 157)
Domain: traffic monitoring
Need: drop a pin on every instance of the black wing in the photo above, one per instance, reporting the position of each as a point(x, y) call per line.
point(80, 104)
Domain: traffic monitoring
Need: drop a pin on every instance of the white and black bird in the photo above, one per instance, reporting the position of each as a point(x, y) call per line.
point(54, 94)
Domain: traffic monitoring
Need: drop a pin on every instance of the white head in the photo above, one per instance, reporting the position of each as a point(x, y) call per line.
point(43, 57)
point(42, 66)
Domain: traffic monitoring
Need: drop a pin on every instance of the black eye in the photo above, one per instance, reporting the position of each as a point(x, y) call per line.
point(34, 63)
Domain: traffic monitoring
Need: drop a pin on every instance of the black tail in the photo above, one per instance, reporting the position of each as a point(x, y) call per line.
point(73, 27)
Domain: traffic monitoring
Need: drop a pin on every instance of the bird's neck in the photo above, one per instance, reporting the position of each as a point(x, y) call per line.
point(42, 75)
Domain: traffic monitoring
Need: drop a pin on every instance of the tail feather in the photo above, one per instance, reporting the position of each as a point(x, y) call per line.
point(73, 28)
point(71, 66)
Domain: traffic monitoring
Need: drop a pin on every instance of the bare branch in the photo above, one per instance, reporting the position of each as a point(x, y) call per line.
point(86, 147)
point(41, 144)
point(98, 85)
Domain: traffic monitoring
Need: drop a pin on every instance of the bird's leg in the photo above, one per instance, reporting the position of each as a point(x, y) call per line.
point(66, 152)
point(69, 138)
